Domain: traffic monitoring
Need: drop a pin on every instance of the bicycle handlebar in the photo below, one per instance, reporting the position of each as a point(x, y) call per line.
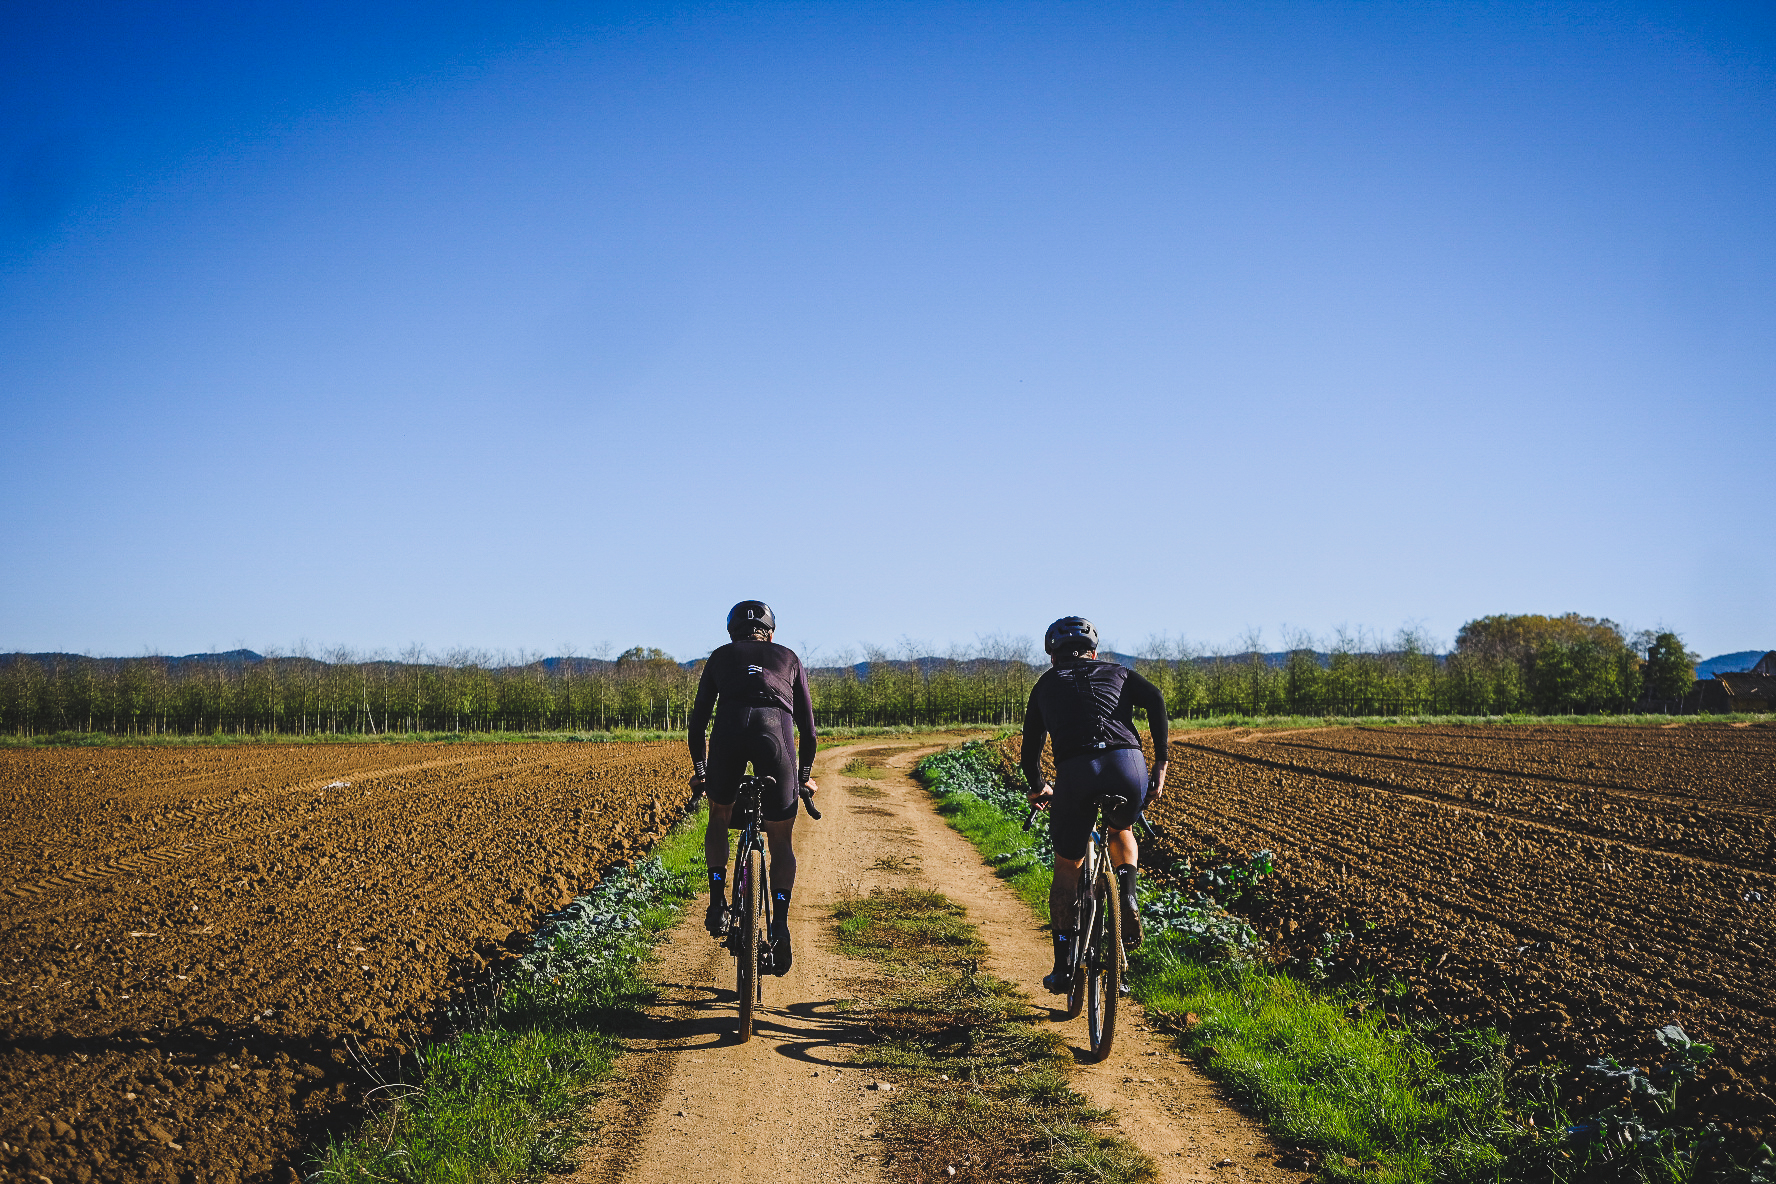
point(808, 801)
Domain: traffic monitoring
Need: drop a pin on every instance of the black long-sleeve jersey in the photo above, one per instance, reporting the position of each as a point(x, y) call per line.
point(745, 674)
point(1088, 705)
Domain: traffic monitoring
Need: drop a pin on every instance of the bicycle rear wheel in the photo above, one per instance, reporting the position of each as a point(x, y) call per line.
point(1083, 914)
point(752, 921)
point(1103, 966)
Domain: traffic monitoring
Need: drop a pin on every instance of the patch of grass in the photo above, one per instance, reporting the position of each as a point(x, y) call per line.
point(976, 799)
point(1375, 1102)
point(1017, 855)
point(904, 864)
point(504, 1099)
point(982, 1086)
point(859, 766)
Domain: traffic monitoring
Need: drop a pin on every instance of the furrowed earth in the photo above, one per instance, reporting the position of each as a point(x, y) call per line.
point(1575, 887)
point(205, 947)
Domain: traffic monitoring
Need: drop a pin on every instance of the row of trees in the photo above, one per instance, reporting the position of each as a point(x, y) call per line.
point(1499, 665)
point(642, 689)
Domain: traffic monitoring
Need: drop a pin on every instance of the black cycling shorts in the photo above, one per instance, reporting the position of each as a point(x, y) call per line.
point(1079, 785)
point(766, 737)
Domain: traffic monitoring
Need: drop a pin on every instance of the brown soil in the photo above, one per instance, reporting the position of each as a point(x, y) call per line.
point(1576, 887)
point(203, 946)
point(693, 1105)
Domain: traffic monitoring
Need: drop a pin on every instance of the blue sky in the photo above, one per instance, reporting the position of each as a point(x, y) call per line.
point(518, 325)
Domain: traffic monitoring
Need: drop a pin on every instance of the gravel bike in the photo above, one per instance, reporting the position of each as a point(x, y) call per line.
point(1097, 961)
point(749, 913)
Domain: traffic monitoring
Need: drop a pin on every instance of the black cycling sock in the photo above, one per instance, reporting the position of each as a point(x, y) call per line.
point(780, 904)
point(718, 886)
point(1063, 951)
point(1125, 878)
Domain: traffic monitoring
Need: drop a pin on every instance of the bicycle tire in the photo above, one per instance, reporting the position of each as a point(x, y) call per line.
point(1083, 913)
point(1103, 967)
point(1082, 920)
point(747, 984)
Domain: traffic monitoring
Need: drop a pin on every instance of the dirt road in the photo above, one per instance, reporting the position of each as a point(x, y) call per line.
point(693, 1105)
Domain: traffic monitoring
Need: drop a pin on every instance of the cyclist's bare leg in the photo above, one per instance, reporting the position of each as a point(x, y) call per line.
point(779, 840)
point(1125, 858)
point(1061, 895)
point(1062, 891)
point(715, 855)
point(715, 836)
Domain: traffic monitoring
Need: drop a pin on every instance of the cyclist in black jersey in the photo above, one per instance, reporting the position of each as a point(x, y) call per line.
point(763, 693)
point(1088, 707)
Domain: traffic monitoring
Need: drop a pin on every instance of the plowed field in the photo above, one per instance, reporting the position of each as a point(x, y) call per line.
point(201, 945)
point(1576, 887)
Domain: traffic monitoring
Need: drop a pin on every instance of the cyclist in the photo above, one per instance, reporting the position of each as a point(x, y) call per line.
point(1088, 707)
point(763, 691)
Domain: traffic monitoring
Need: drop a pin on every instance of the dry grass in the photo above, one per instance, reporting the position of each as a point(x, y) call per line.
point(982, 1085)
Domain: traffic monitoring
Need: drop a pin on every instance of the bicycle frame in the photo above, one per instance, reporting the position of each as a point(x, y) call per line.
point(750, 911)
point(1097, 960)
point(751, 908)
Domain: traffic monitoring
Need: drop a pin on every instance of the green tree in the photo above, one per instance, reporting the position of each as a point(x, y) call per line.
point(1670, 669)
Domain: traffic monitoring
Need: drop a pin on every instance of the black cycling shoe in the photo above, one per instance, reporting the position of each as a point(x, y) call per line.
point(1058, 983)
point(715, 919)
point(780, 952)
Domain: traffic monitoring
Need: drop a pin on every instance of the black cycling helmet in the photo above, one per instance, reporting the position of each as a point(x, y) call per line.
point(1071, 635)
point(748, 615)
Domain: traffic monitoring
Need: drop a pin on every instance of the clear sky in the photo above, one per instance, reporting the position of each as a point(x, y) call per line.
point(521, 324)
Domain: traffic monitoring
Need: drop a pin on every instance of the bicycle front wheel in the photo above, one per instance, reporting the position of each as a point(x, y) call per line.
point(1103, 966)
point(752, 923)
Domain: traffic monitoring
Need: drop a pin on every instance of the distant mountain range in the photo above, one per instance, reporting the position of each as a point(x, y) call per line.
point(1707, 668)
point(1728, 663)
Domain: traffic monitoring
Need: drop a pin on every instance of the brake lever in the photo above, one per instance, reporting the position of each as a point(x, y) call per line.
point(808, 801)
point(1031, 820)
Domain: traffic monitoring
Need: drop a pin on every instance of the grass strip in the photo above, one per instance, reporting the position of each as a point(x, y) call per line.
point(503, 1100)
point(974, 797)
point(982, 1090)
point(1367, 1100)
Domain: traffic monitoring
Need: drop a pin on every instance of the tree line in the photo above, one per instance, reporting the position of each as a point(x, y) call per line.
point(1498, 665)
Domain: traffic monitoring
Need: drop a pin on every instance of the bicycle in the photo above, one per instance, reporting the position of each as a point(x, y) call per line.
point(749, 912)
point(1097, 961)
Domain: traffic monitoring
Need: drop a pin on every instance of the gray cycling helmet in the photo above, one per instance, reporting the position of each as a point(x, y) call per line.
point(1071, 635)
point(748, 615)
